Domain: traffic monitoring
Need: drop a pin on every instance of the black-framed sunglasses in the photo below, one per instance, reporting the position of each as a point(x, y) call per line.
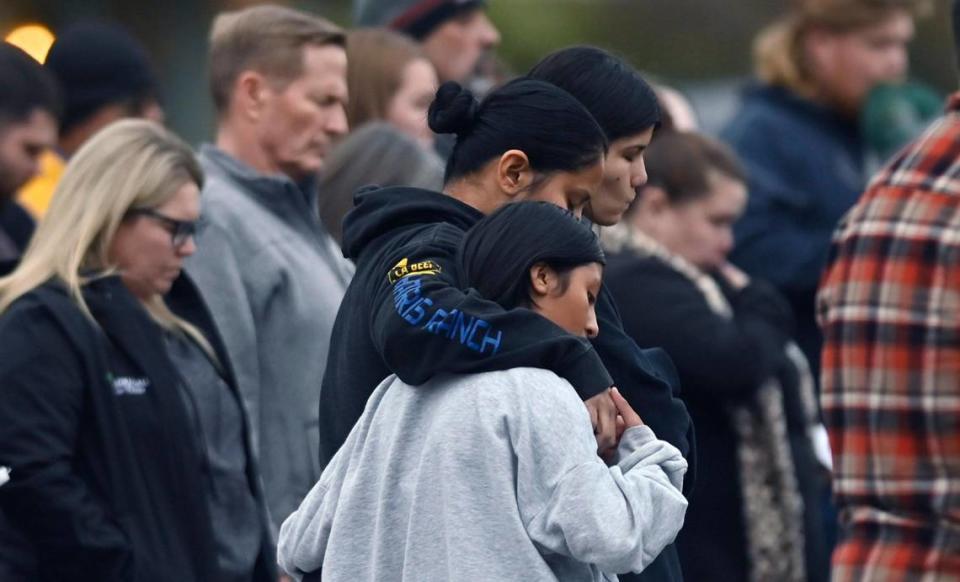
point(180, 230)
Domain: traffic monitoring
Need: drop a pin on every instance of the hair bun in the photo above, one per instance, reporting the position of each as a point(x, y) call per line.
point(454, 109)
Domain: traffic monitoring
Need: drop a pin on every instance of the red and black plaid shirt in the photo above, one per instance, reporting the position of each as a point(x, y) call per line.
point(889, 306)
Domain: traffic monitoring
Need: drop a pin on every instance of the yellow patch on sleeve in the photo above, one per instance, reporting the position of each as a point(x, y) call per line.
point(407, 269)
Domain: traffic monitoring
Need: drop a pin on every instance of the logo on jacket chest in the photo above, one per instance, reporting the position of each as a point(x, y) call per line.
point(128, 386)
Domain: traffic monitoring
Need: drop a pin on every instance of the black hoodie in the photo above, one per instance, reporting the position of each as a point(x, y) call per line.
point(405, 313)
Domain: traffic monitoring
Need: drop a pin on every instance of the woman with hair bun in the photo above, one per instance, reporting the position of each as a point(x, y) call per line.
point(495, 475)
point(528, 140)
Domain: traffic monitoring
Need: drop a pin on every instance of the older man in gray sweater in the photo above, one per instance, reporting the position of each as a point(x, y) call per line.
point(272, 275)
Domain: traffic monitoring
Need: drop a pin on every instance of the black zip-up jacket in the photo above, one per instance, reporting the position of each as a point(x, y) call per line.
point(406, 313)
point(108, 481)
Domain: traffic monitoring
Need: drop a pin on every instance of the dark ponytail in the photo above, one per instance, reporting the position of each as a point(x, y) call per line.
point(546, 123)
point(621, 101)
point(496, 255)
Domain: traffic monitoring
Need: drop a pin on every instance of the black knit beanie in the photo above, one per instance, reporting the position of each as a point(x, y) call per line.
point(417, 18)
point(97, 64)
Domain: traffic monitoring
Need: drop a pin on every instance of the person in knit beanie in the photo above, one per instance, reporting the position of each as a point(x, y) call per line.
point(454, 34)
point(104, 76)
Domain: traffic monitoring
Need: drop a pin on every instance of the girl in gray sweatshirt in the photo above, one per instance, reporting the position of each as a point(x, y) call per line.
point(494, 476)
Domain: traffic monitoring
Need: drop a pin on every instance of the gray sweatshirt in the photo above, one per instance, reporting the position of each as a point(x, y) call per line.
point(490, 476)
point(274, 279)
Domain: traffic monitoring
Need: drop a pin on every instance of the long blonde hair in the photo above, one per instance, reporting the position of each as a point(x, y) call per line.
point(778, 51)
point(129, 164)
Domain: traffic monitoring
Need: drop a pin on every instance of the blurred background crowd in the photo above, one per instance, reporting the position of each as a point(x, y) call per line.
point(763, 125)
point(702, 49)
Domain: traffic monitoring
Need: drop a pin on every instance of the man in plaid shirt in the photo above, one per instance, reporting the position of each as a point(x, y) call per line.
point(889, 306)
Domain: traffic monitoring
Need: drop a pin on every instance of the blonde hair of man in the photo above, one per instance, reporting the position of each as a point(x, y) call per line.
point(268, 39)
point(778, 51)
point(129, 164)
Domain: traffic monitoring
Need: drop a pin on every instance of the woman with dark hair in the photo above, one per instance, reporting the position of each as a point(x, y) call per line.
point(528, 140)
point(754, 514)
point(494, 475)
point(626, 108)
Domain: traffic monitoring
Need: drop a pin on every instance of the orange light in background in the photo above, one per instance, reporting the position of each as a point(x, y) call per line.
point(33, 39)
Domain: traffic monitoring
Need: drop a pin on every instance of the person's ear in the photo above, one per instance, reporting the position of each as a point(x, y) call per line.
point(250, 94)
point(514, 173)
point(542, 280)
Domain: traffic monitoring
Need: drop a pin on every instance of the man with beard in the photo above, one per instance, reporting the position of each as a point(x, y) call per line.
point(29, 108)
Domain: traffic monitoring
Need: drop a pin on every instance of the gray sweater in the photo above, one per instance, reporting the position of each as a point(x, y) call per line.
point(483, 477)
point(273, 279)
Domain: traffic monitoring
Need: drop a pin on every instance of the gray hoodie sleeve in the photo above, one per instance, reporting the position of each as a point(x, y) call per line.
point(618, 518)
point(304, 534)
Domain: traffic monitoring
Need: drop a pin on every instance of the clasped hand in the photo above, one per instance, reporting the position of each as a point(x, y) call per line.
point(610, 414)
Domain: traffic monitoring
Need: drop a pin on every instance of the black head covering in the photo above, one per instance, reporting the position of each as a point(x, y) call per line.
point(97, 63)
point(497, 253)
point(25, 86)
